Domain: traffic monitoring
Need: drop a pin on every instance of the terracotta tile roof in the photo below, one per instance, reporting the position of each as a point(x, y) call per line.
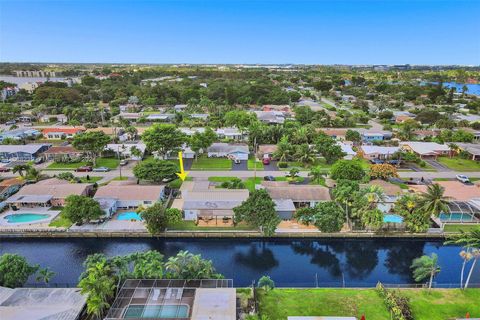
point(299, 193)
point(61, 150)
point(454, 190)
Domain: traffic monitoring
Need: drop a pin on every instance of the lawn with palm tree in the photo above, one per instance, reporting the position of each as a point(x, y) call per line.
point(459, 164)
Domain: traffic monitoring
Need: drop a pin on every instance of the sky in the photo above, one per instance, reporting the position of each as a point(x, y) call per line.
point(241, 31)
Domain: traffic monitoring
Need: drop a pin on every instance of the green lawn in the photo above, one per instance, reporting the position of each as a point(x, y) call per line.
point(190, 226)
point(220, 179)
point(205, 163)
point(280, 303)
point(61, 221)
point(441, 304)
point(92, 179)
point(252, 163)
point(110, 163)
point(457, 227)
point(251, 182)
point(459, 164)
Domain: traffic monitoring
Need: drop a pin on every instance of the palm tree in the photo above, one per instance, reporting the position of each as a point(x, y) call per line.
point(21, 169)
point(284, 149)
point(471, 242)
point(33, 174)
point(425, 267)
point(433, 201)
point(317, 174)
point(305, 154)
point(45, 275)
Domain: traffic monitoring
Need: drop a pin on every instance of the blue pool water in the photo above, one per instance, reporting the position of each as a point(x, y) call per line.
point(26, 217)
point(129, 216)
point(392, 218)
point(456, 216)
point(157, 312)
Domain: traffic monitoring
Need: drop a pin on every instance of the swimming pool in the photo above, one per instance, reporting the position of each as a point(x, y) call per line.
point(392, 218)
point(132, 215)
point(26, 217)
point(456, 216)
point(170, 311)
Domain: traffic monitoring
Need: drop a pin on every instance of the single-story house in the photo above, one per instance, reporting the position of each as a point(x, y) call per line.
point(235, 151)
point(180, 107)
point(46, 193)
point(166, 117)
point(124, 150)
point(19, 134)
point(426, 149)
point(61, 133)
point(200, 201)
point(271, 117)
point(476, 133)
point(454, 190)
point(53, 118)
point(378, 152)
point(467, 117)
point(201, 116)
point(301, 195)
point(57, 153)
point(131, 195)
point(108, 206)
point(266, 150)
point(131, 116)
point(276, 107)
point(401, 116)
point(421, 134)
point(9, 186)
point(191, 131)
point(231, 133)
point(347, 149)
point(370, 136)
point(27, 152)
point(472, 148)
point(335, 133)
point(392, 193)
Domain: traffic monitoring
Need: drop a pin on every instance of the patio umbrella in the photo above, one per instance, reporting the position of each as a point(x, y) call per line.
point(363, 317)
point(467, 315)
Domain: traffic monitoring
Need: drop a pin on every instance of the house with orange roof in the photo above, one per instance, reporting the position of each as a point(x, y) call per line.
point(61, 133)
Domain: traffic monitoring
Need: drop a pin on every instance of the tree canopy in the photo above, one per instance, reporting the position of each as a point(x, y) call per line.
point(155, 170)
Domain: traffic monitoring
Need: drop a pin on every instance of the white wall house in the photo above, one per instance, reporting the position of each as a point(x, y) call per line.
point(131, 195)
point(234, 151)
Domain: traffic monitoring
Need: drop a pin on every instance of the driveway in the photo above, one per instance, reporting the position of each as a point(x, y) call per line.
point(242, 166)
point(438, 166)
point(271, 167)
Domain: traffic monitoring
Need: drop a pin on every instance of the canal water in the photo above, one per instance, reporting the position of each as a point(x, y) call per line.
point(290, 263)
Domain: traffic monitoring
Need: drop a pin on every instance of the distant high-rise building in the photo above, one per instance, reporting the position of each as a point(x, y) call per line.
point(34, 73)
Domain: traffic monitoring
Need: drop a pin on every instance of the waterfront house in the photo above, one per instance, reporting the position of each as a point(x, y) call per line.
point(61, 153)
point(46, 193)
point(27, 152)
point(426, 149)
point(61, 133)
point(128, 194)
point(199, 201)
point(234, 151)
point(9, 186)
point(300, 195)
point(391, 191)
point(378, 152)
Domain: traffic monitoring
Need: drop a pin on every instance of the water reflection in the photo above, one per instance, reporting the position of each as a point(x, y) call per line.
point(259, 259)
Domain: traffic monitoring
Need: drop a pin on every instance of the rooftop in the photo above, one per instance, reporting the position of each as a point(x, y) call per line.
point(56, 188)
point(298, 193)
point(454, 190)
point(127, 191)
point(26, 148)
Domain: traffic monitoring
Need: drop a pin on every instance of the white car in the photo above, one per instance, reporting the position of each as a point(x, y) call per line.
point(101, 169)
point(462, 178)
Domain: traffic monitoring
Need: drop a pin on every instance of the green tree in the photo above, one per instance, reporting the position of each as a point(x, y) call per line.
point(44, 275)
point(15, 270)
point(416, 219)
point(156, 218)
point(155, 170)
point(353, 136)
point(344, 193)
point(284, 149)
point(266, 283)
point(326, 216)
point(163, 138)
point(81, 209)
point(425, 267)
point(21, 169)
point(147, 265)
point(258, 211)
point(470, 240)
point(186, 265)
point(347, 170)
point(433, 201)
point(329, 149)
point(317, 174)
point(240, 119)
point(305, 154)
point(174, 215)
point(92, 143)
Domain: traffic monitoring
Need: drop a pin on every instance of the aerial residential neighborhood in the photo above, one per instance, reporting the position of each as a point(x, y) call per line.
point(239, 160)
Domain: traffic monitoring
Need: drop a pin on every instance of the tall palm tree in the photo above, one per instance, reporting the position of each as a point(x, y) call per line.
point(284, 149)
point(45, 275)
point(425, 267)
point(33, 174)
point(317, 173)
point(21, 169)
point(305, 154)
point(471, 242)
point(433, 201)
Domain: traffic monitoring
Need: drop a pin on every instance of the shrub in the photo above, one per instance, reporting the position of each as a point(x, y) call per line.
point(266, 283)
point(283, 165)
point(422, 164)
point(397, 305)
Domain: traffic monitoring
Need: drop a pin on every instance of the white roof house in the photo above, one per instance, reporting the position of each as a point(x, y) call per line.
point(378, 152)
point(219, 149)
point(271, 116)
point(425, 149)
point(125, 149)
point(346, 148)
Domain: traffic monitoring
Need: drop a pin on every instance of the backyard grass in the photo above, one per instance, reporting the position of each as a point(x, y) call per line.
point(252, 164)
point(110, 163)
point(280, 303)
point(457, 227)
point(459, 164)
point(60, 221)
point(190, 226)
point(204, 163)
point(440, 304)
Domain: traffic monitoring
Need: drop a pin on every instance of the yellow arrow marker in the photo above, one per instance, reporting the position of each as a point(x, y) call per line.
point(182, 175)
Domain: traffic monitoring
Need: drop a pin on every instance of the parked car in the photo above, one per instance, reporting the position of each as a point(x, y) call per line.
point(101, 169)
point(123, 162)
point(377, 161)
point(4, 169)
point(269, 178)
point(38, 160)
point(84, 169)
point(463, 178)
point(236, 161)
point(28, 124)
point(9, 123)
point(266, 161)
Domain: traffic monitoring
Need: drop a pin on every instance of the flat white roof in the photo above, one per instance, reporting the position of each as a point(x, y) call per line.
point(214, 304)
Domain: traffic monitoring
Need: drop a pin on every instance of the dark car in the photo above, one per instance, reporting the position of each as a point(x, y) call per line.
point(84, 169)
point(266, 161)
point(377, 161)
point(269, 178)
point(4, 169)
point(38, 160)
